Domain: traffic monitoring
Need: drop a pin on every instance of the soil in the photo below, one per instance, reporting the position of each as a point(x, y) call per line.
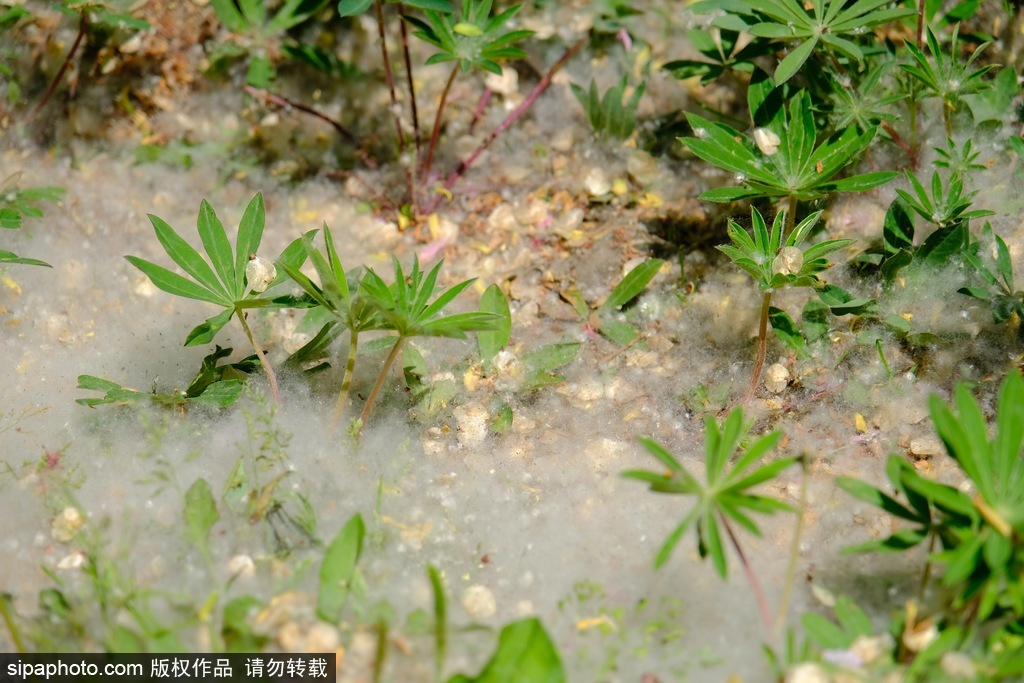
point(531, 521)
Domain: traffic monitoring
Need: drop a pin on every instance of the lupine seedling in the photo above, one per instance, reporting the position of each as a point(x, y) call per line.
point(339, 294)
point(250, 19)
point(781, 158)
point(17, 204)
point(813, 23)
point(999, 289)
point(234, 280)
point(472, 39)
point(776, 260)
point(610, 116)
point(406, 308)
point(724, 497)
point(945, 76)
point(981, 534)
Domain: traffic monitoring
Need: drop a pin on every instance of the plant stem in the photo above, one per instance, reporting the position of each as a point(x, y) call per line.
point(368, 408)
point(263, 359)
point(762, 601)
point(464, 165)
point(12, 628)
point(283, 101)
point(390, 76)
point(408, 77)
point(762, 346)
point(382, 650)
point(346, 383)
point(485, 97)
point(83, 24)
point(428, 162)
point(794, 555)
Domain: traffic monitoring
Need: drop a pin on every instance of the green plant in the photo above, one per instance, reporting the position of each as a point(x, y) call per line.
point(406, 308)
point(775, 260)
point(945, 205)
point(609, 116)
point(256, 33)
point(781, 158)
point(473, 39)
point(945, 77)
point(981, 533)
point(97, 21)
point(339, 295)
point(724, 498)
point(823, 22)
point(722, 55)
point(214, 385)
point(234, 280)
point(17, 204)
point(606, 318)
point(999, 291)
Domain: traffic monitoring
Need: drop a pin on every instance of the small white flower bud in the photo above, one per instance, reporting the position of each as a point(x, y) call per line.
point(767, 141)
point(259, 273)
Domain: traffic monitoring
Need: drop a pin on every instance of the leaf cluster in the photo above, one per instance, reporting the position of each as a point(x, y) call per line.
point(831, 23)
point(721, 55)
point(794, 164)
point(774, 262)
point(221, 280)
point(725, 494)
point(981, 534)
point(609, 116)
point(999, 290)
point(473, 38)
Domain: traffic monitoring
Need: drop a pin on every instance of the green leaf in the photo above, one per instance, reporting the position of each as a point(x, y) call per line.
point(172, 283)
point(250, 233)
point(490, 342)
point(347, 8)
point(208, 329)
point(794, 60)
point(632, 285)
point(215, 240)
point(942, 244)
point(200, 513)
point(525, 654)
point(338, 569)
point(182, 253)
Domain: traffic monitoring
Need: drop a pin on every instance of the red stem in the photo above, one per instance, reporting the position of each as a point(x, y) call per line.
point(429, 161)
point(389, 74)
point(485, 97)
point(464, 165)
point(282, 101)
point(83, 24)
point(762, 601)
point(408, 77)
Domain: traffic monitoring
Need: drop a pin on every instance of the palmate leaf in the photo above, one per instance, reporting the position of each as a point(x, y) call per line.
point(725, 494)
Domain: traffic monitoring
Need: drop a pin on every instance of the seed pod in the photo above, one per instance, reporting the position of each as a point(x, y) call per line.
point(259, 273)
